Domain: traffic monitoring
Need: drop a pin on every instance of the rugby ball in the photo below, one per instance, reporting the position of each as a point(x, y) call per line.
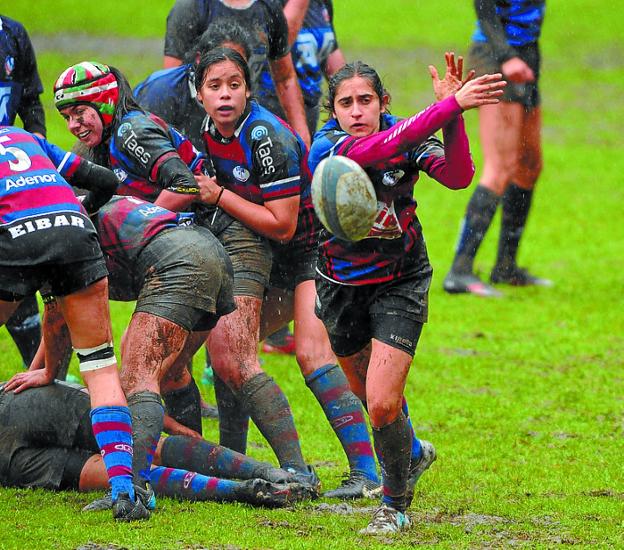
point(344, 198)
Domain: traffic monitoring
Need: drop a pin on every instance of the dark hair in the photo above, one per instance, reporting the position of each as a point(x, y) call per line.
point(125, 104)
point(350, 70)
point(219, 55)
point(218, 33)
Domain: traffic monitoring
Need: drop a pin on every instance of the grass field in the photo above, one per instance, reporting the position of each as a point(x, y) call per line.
point(523, 396)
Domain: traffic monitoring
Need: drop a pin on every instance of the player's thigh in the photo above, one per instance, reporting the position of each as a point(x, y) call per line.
point(500, 128)
point(277, 310)
point(87, 315)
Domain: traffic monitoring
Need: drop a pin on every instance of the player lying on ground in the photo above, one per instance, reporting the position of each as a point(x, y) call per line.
point(45, 239)
point(46, 441)
point(373, 294)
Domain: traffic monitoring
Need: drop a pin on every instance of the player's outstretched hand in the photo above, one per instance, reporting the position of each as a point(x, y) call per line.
point(484, 90)
point(453, 77)
point(29, 379)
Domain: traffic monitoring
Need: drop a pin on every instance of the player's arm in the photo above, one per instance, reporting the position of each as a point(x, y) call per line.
point(336, 59)
point(30, 109)
point(295, 12)
point(55, 341)
point(100, 182)
point(284, 76)
point(183, 29)
point(289, 94)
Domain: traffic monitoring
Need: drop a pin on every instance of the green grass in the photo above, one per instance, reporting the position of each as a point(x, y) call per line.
point(523, 396)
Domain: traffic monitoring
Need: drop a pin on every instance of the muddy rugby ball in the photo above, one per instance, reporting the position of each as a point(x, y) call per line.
point(344, 198)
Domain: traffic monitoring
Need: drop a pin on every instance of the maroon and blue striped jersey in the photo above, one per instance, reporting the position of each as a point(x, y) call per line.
point(264, 160)
point(140, 144)
point(393, 158)
point(125, 227)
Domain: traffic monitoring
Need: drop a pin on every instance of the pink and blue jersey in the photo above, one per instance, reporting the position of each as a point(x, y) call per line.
point(36, 202)
point(139, 146)
point(264, 160)
point(393, 158)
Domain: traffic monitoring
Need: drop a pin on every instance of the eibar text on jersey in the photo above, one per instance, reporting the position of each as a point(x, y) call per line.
point(45, 222)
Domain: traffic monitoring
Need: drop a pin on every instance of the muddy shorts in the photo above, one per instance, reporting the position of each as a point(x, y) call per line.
point(391, 312)
point(187, 278)
point(251, 256)
point(482, 60)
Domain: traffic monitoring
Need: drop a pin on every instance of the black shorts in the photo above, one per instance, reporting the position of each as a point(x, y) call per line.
point(68, 257)
point(391, 312)
point(59, 279)
point(251, 255)
point(188, 278)
point(482, 60)
point(22, 464)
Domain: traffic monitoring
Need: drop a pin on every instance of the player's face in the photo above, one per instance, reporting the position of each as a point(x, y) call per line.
point(224, 95)
point(357, 107)
point(85, 123)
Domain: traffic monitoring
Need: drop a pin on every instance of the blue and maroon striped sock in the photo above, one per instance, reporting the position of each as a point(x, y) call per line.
point(346, 416)
point(172, 482)
point(112, 427)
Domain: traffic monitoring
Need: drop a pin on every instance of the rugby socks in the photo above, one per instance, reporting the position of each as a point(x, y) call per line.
point(346, 416)
point(233, 417)
point(24, 326)
point(201, 456)
point(112, 427)
point(516, 206)
point(416, 448)
point(270, 411)
point(184, 406)
point(147, 424)
point(479, 213)
point(395, 442)
point(187, 485)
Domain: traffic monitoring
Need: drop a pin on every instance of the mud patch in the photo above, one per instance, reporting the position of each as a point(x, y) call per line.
point(343, 509)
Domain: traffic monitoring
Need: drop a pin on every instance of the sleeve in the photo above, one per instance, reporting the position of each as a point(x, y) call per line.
point(401, 137)
point(142, 146)
point(493, 28)
point(66, 163)
point(30, 109)
point(449, 163)
point(278, 32)
point(185, 25)
point(276, 161)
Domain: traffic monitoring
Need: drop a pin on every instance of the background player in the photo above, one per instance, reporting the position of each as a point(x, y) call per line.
point(264, 19)
point(506, 41)
point(20, 88)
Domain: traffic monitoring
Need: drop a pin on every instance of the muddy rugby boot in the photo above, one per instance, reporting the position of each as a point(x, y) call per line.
point(355, 485)
point(386, 521)
point(126, 510)
point(427, 458)
point(516, 276)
